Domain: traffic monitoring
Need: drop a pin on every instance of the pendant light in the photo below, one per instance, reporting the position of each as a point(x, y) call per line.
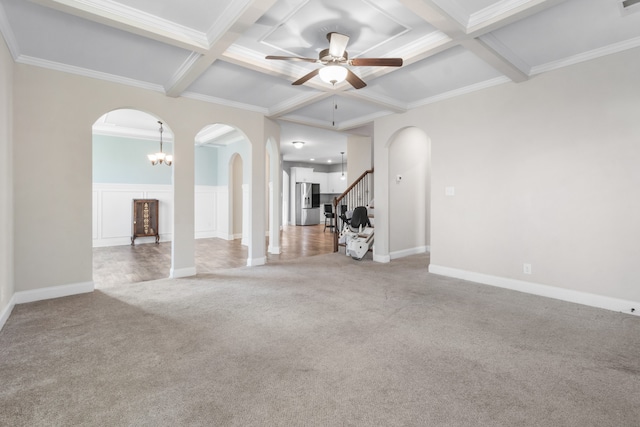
point(160, 157)
point(342, 177)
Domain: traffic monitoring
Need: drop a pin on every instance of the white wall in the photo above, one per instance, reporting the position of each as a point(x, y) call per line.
point(545, 172)
point(6, 183)
point(53, 215)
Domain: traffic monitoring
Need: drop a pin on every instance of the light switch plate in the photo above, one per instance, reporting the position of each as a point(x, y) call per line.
point(450, 191)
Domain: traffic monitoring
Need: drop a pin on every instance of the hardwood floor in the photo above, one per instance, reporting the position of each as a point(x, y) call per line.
point(118, 265)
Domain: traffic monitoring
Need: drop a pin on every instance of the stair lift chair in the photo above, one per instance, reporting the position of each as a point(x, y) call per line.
point(357, 233)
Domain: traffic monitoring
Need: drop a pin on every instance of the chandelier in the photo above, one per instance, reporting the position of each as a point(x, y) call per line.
point(160, 157)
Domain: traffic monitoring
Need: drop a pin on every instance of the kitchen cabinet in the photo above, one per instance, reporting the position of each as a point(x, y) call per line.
point(302, 174)
point(335, 185)
point(322, 178)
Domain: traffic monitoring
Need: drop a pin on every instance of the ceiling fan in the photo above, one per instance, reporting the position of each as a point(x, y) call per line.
point(334, 60)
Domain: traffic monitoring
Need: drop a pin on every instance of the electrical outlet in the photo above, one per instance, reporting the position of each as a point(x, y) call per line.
point(526, 268)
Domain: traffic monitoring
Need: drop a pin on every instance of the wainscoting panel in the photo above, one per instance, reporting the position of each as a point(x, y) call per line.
point(116, 213)
point(112, 212)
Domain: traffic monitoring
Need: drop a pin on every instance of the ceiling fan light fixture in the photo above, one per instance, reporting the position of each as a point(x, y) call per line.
point(333, 74)
point(298, 144)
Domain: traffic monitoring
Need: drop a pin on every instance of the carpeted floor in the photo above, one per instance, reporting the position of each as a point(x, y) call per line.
point(319, 341)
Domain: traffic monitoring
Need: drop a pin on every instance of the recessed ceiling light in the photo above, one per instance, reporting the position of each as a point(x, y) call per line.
point(329, 161)
point(298, 144)
point(312, 160)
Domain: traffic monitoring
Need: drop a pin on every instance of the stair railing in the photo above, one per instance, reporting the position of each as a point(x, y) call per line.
point(357, 194)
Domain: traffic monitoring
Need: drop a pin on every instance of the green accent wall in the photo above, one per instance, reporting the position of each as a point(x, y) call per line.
point(124, 161)
point(206, 166)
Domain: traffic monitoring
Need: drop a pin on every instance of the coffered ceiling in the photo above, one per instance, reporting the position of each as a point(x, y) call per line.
point(215, 50)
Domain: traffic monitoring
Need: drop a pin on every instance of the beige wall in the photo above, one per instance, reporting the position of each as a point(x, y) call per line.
point(409, 197)
point(359, 153)
point(53, 115)
point(545, 172)
point(6, 180)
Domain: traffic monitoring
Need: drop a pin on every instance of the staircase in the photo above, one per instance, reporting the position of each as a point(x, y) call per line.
point(357, 194)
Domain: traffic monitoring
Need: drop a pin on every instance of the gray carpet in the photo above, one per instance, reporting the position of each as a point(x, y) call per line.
point(320, 341)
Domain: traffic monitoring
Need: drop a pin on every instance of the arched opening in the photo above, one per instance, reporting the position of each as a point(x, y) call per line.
point(221, 197)
point(409, 185)
point(132, 200)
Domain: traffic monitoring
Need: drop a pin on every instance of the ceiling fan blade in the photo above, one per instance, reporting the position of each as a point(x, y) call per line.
point(377, 62)
point(306, 77)
point(291, 58)
point(354, 80)
point(337, 44)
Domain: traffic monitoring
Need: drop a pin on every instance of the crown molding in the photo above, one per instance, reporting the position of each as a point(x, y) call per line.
point(224, 102)
point(29, 60)
point(133, 20)
point(128, 132)
point(494, 11)
point(461, 91)
point(586, 56)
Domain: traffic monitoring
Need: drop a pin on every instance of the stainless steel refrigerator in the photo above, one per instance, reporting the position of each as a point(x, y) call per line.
point(307, 203)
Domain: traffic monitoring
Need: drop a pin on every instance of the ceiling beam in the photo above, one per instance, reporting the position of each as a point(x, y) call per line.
point(436, 16)
point(235, 27)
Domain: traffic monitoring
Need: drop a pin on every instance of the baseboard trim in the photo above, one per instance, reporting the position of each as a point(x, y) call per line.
point(381, 258)
point(33, 295)
point(6, 312)
point(274, 250)
point(408, 252)
point(253, 262)
point(176, 273)
point(584, 298)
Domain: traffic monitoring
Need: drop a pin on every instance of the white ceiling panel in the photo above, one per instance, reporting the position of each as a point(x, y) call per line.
point(65, 39)
point(300, 28)
point(450, 70)
point(231, 82)
point(575, 27)
point(195, 14)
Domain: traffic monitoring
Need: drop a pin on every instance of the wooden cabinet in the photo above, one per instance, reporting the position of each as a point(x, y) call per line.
point(144, 219)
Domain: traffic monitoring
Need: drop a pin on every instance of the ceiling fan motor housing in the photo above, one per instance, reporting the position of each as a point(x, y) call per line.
point(324, 56)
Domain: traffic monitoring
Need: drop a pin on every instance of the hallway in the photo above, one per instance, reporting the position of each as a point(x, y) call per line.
point(117, 265)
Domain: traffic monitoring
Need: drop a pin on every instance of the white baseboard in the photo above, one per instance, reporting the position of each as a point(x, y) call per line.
point(33, 295)
point(126, 241)
point(6, 312)
point(182, 272)
point(381, 258)
point(252, 262)
point(274, 250)
point(584, 298)
point(408, 252)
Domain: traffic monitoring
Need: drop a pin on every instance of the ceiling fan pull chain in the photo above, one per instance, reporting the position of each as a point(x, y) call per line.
point(333, 112)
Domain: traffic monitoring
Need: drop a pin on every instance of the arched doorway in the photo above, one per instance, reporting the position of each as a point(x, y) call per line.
point(409, 185)
point(122, 139)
